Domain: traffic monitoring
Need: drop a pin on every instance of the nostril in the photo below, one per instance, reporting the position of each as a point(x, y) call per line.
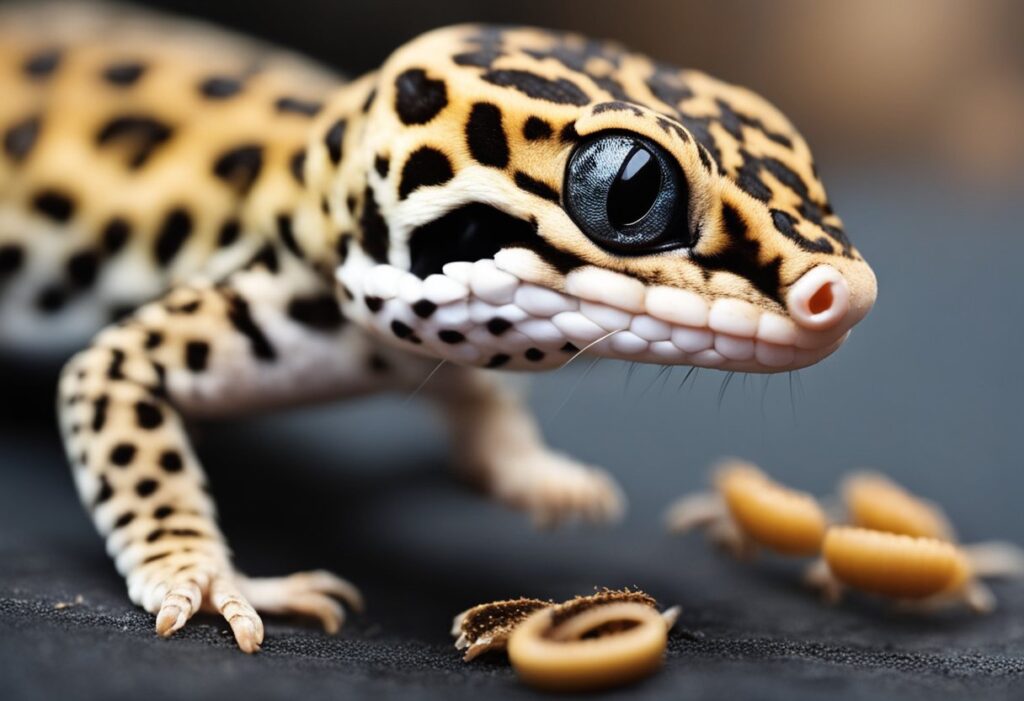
point(820, 299)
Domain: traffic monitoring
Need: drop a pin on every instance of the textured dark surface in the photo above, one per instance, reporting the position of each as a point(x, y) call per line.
point(927, 389)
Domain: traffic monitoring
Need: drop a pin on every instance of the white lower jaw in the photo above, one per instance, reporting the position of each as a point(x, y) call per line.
point(476, 314)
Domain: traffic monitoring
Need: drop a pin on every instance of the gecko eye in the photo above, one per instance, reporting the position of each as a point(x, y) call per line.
point(627, 194)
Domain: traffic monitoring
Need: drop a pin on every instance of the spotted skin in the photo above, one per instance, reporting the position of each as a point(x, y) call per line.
point(244, 230)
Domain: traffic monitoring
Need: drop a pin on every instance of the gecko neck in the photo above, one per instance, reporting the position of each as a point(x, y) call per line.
point(332, 217)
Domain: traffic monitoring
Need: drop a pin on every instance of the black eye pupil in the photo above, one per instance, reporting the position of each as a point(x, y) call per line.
point(634, 189)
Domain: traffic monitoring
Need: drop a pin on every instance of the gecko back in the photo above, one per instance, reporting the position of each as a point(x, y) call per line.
point(136, 153)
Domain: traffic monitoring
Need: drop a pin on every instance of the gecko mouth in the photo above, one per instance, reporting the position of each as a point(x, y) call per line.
point(474, 232)
point(472, 297)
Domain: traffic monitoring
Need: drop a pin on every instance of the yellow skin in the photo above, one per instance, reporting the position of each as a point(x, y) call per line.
point(261, 218)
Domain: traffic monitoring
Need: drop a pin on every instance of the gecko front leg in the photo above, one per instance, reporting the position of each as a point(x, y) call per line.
point(271, 334)
point(499, 448)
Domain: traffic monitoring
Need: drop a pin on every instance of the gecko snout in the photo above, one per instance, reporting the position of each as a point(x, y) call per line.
point(820, 299)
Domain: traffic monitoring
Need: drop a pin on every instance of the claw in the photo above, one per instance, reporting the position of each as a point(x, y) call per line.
point(170, 619)
point(330, 583)
point(247, 634)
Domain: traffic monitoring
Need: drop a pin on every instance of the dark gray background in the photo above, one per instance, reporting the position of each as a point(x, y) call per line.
point(907, 107)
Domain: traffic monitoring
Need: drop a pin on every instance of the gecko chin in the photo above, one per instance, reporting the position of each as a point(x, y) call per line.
point(480, 291)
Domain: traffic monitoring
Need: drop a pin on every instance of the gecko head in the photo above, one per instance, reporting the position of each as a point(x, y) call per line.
point(531, 194)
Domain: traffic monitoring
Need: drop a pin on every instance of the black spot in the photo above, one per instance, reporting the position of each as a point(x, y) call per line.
point(54, 205)
point(153, 340)
point(381, 164)
point(170, 461)
point(699, 130)
point(536, 129)
point(333, 140)
point(115, 235)
point(51, 299)
point(666, 85)
point(241, 318)
point(159, 388)
point(141, 135)
point(498, 325)
point(785, 223)
point(418, 98)
point(174, 231)
point(12, 257)
point(21, 137)
point(240, 166)
point(42, 65)
point(374, 304)
point(155, 535)
point(158, 556)
point(424, 308)
point(267, 258)
point(425, 167)
point(99, 412)
point(297, 166)
point(741, 257)
point(219, 87)
point(105, 493)
point(756, 123)
point(785, 175)
point(670, 127)
point(400, 329)
point(122, 454)
point(124, 519)
point(287, 234)
point(342, 245)
point(368, 102)
point(618, 106)
point(148, 415)
point(190, 307)
point(162, 512)
point(185, 532)
point(568, 134)
point(705, 159)
point(321, 312)
point(82, 268)
point(116, 369)
point(534, 355)
point(451, 337)
point(146, 487)
point(560, 90)
point(751, 183)
point(376, 237)
point(536, 187)
point(569, 348)
point(229, 233)
point(485, 135)
point(477, 231)
point(295, 105)
point(123, 75)
point(350, 204)
point(197, 355)
point(483, 57)
point(498, 360)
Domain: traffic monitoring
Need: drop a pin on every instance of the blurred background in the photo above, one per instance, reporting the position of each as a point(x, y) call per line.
point(915, 112)
point(930, 83)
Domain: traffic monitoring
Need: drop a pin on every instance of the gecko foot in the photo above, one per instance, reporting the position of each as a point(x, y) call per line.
point(176, 597)
point(314, 594)
point(554, 489)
